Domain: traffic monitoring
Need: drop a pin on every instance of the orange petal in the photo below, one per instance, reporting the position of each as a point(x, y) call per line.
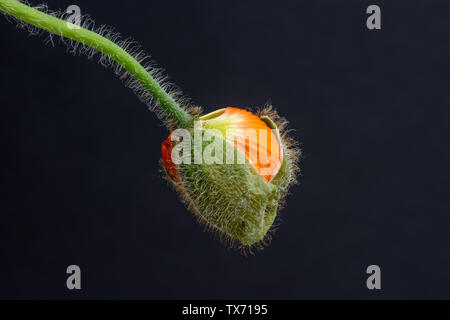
point(251, 136)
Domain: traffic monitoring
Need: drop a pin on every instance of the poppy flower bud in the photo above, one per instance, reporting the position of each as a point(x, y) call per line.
point(232, 169)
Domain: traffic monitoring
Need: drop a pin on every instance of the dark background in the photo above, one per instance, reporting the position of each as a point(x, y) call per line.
point(79, 153)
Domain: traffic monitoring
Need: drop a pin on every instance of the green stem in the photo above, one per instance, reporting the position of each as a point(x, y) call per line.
point(96, 41)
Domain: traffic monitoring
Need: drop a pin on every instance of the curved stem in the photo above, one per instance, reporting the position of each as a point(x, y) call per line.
point(96, 41)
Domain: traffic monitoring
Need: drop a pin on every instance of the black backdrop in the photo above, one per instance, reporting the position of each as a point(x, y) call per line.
point(79, 153)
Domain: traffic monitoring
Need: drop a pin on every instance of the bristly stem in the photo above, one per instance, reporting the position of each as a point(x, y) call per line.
point(96, 41)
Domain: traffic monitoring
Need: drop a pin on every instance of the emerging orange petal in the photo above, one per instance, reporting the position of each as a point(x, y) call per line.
point(251, 137)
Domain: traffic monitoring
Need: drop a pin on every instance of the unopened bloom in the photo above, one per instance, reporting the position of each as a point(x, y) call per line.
point(238, 199)
point(233, 186)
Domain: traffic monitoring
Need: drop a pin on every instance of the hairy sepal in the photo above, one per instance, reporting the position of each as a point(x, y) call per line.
point(233, 199)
